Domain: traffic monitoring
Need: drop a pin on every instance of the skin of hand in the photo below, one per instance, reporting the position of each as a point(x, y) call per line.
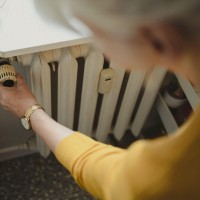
point(17, 99)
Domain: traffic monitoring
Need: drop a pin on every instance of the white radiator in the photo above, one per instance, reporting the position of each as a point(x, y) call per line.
point(65, 81)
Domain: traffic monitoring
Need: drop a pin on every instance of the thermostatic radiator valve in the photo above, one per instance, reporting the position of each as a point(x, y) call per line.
point(7, 74)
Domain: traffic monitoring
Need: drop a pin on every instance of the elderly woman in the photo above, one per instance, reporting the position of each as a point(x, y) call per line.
point(135, 34)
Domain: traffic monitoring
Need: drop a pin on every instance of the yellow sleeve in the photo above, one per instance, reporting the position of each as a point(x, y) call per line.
point(164, 168)
point(103, 170)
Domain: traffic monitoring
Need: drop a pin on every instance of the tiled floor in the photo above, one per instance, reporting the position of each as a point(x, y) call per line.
point(35, 178)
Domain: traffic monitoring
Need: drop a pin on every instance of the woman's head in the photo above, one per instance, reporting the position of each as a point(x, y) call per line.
point(120, 17)
point(143, 33)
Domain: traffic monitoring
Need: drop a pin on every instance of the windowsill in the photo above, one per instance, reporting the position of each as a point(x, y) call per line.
point(23, 31)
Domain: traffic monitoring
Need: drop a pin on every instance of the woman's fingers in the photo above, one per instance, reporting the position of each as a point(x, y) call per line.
point(18, 98)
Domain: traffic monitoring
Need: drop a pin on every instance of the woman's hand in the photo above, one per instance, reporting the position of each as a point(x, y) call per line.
point(17, 99)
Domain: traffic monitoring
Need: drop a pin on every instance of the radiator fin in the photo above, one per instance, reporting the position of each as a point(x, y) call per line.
point(67, 77)
point(109, 104)
point(150, 93)
point(133, 87)
point(93, 65)
point(40, 82)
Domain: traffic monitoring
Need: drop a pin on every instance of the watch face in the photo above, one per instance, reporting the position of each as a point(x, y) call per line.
point(25, 123)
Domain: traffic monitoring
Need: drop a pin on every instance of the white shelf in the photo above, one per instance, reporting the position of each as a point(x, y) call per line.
point(166, 115)
point(25, 29)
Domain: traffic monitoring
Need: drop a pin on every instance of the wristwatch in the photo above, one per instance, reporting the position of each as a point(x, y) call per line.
point(26, 118)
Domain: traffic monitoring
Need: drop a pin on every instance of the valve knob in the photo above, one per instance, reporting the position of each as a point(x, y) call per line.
point(7, 74)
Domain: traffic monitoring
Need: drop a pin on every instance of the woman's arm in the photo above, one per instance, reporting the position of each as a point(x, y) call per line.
point(19, 99)
point(49, 130)
point(101, 169)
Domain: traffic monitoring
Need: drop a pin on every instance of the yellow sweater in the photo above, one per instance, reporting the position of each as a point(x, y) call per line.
point(166, 168)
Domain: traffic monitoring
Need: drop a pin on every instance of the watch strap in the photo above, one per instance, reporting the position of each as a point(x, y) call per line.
point(31, 110)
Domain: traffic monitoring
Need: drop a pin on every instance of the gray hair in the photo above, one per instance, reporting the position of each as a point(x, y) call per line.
point(120, 17)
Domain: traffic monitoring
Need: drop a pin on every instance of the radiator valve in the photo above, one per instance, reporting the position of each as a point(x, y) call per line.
point(105, 80)
point(7, 74)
